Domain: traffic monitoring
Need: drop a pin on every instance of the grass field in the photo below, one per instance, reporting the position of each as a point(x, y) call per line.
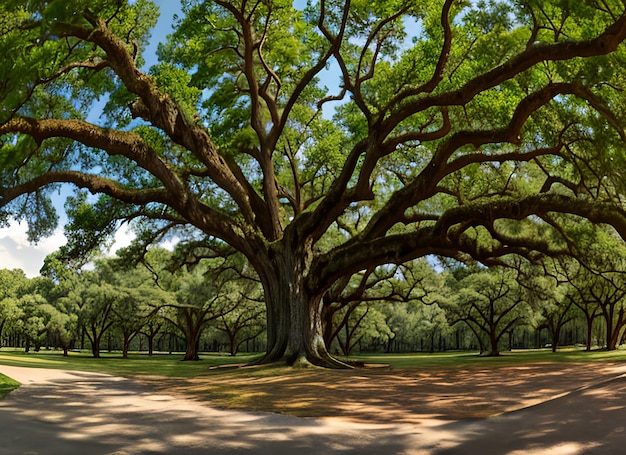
point(315, 391)
point(170, 365)
point(454, 359)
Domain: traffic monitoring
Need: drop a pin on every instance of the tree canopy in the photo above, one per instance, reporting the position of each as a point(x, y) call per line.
point(452, 128)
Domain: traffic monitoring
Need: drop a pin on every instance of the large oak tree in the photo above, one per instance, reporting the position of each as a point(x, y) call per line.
point(453, 128)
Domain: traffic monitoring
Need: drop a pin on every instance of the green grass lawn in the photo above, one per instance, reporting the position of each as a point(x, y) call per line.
point(170, 365)
point(136, 364)
point(455, 359)
point(7, 385)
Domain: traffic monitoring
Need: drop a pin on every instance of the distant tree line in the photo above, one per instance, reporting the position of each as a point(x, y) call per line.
point(169, 301)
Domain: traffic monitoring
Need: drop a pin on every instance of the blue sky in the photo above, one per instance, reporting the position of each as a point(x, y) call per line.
point(15, 250)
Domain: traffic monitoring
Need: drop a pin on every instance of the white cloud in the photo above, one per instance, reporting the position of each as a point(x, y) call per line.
point(123, 237)
point(16, 252)
point(170, 244)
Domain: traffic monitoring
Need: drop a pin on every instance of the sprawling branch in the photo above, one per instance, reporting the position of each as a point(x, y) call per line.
point(165, 114)
point(93, 183)
point(114, 142)
point(604, 44)
point(174, 194)
point(425, 185)
point(444, 55)
point(448, 236)
point(338, 198)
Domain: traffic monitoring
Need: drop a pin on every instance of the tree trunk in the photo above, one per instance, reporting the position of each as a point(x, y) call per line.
point(192, 343)
point(493, 341)
point(232, 335)
point(589, 333)
point(294, 322)
point(432, 342)
point(614, 327)
point(150, 344)
point(191, 323)
point(1, 329)
point(95, 347)
point(555, 333)
point(126, 346)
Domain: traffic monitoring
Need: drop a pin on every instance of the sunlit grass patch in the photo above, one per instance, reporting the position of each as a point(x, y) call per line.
point(7, 385)
point(455, 359)
point(34, 361)
point(137, 364)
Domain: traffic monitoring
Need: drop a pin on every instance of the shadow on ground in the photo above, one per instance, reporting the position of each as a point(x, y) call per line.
point(588, 421)
point(57, 412)
point(406, 396)
point(86, 413)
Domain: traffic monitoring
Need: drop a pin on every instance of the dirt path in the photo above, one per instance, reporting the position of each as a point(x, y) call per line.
point(376, 395)
point(60, 412)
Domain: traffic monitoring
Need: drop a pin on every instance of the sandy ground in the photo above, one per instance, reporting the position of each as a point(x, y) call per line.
point(384, 395)
point(61, 412)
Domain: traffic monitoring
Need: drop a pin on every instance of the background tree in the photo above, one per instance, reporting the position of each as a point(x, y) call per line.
point(97, 296)
point(361, 322)
point(35, 316)
point(555, 312)
point(546, 288)
point(576, 294)
point(152, 327)
point(432, 323)
point(139, 300)
point(599, 280)
point(486, 126)
point(490, 302)
point(414, 281)
point(60, 320)
point(201, 296)
point(244, 323)
point(12, 286)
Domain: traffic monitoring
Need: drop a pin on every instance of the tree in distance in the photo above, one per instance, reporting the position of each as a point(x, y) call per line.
point(491, 303)
point(465, 130)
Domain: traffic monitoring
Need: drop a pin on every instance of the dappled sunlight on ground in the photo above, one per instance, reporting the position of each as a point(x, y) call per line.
point(94, 413)
point(569, 448)
point(407, 396)
point(559, 409)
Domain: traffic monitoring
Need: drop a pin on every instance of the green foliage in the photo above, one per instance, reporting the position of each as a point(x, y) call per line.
point(176, 83)
point(90, 226)
point(490, 303)
point(321, 141)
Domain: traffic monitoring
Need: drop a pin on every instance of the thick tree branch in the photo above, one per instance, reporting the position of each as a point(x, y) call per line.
point(425, 184)
point(165, 114)
point(113, 142)
point(605, 43)
point(447, 237)
point(93, 183)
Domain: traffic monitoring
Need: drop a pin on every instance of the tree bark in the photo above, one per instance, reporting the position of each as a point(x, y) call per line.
point(95, 347)
point(493, 341)
point(294, 321)
point(192, 330)
point(150, 344)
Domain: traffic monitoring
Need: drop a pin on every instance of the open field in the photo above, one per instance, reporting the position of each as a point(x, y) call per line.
point(170, 365)
point(397, 388)
point(112, 363)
